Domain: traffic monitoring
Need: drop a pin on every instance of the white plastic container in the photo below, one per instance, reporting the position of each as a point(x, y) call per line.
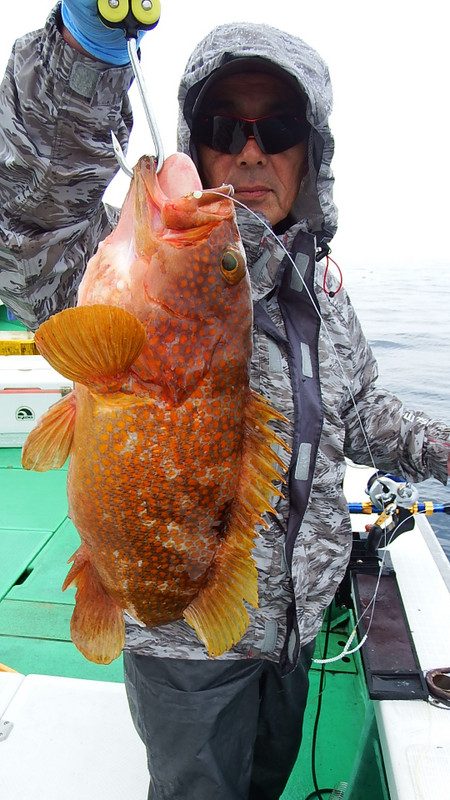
point(28, 387)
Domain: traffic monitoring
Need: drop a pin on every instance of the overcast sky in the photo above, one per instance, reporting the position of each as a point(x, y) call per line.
point(389, 65)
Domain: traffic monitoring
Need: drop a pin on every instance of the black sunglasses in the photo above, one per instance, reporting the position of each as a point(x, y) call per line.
point(273, 134)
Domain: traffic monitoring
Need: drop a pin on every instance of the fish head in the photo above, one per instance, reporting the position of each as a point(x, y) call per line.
point(189, 255)
point(176, 261)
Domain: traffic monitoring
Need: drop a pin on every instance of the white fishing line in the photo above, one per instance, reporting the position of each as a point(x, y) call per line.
point(317, 310)
point(346, 650)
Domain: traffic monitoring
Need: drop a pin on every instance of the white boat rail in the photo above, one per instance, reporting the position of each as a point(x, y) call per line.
point(414, 734)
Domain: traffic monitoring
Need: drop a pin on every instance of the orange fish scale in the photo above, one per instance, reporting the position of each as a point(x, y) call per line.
point(170, 487)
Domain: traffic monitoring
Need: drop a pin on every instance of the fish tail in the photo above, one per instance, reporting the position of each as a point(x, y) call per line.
point(218, 613)
point(97, 626)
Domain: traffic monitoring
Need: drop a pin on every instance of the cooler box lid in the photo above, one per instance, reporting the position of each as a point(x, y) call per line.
point(30, 372)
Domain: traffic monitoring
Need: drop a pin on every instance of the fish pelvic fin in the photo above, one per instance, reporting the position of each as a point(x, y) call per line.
point(218, 614)
point(93, 345)
point(49, 444)
point(97, 626)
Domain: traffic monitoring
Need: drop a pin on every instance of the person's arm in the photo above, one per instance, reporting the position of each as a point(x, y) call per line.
point(401, 440)
point(57, 109)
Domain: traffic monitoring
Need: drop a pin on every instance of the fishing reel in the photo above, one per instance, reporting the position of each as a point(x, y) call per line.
point(395, 499)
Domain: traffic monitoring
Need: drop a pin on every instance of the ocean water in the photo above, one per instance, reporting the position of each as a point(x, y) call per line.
point(405, 316)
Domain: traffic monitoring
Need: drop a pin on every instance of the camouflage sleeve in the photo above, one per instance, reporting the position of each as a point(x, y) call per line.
point(403, 441)
point(57, 110)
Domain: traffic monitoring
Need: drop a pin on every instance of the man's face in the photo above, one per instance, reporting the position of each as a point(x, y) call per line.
point(266, 183)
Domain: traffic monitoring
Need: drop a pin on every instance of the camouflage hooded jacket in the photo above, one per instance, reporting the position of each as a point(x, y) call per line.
point(57, 109)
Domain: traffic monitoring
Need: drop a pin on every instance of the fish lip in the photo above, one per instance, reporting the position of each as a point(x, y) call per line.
point(176, 221)
point(160, 197)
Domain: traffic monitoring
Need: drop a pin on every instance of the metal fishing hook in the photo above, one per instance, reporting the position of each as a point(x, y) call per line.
point(151, 121)
point(132, 17)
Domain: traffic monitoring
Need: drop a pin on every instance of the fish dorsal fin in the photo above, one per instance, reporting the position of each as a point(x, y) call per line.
point(218, 614)
point(49, 444)
point(93, 345)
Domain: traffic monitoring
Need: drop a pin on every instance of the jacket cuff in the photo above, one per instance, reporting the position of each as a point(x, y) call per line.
point(437, 451)
point(426, 446)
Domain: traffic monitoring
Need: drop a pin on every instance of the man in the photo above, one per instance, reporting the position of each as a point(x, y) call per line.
point(268, 183)
point(254, 106)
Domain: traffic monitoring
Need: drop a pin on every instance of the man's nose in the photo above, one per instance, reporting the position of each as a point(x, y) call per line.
point(251, 154)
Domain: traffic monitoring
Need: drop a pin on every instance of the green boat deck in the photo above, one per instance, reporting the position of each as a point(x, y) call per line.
point(36, 541)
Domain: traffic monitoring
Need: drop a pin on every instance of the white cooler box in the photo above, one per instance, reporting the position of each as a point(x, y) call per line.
point(28, 387)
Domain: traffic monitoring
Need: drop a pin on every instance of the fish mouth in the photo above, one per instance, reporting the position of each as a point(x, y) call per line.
point(173, 205)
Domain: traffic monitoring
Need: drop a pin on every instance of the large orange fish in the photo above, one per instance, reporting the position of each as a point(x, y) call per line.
point(171, 465)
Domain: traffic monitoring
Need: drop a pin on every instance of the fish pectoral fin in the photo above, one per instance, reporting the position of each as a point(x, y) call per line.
point(97, 626)
point(49, 444)
point(93, 345)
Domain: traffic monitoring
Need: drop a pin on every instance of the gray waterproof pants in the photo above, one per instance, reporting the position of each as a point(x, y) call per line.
point(217, 730)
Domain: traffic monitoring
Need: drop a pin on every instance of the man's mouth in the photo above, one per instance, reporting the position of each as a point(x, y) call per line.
point(252, 192)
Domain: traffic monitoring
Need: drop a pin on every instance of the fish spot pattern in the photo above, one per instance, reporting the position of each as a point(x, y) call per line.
point(154, 496)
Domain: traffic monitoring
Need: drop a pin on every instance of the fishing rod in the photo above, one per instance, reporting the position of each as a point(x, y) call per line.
point(426, 507)
point(133, 16)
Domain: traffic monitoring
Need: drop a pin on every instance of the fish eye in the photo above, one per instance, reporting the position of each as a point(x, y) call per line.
point(232, 265)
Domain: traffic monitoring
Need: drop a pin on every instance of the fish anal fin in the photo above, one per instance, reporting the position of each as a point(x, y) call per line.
point(94, 345)
point(218, 613)
point(49, 444)
point(97, 626)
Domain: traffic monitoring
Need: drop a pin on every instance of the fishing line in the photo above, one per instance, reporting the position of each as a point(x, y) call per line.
point(317, 310)
point(346, 650)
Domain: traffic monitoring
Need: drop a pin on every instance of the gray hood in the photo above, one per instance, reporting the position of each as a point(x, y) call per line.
point(314, 205)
